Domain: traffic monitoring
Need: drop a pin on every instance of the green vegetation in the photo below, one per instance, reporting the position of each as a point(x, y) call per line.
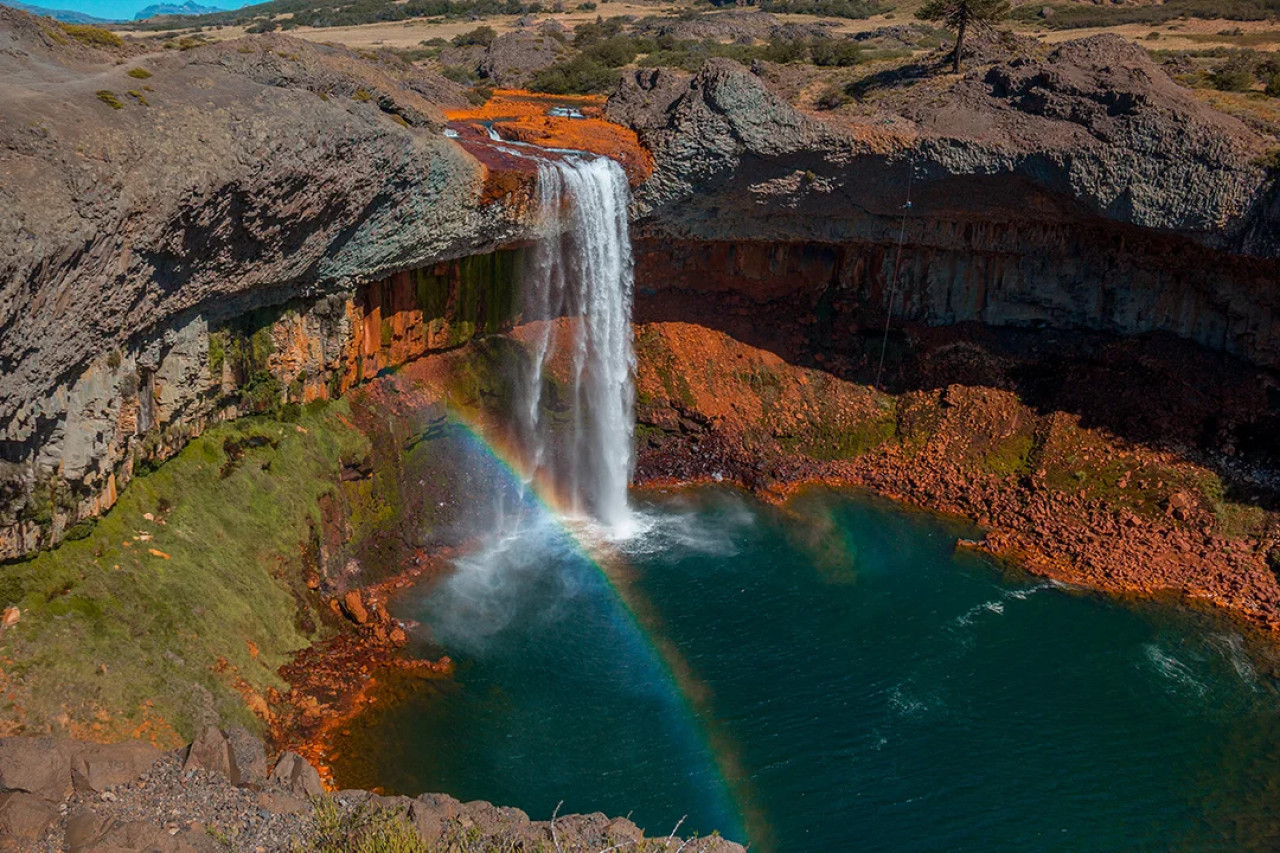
point(477, 294)
point(960, 15)
point(825, 8)
point(139, 73)
point(1065, 16)
point(604, 49)
point(109, 98)
point(482, 36)
point(193, 561)
point(362, 829)
point(139, 97)
point(92, 36)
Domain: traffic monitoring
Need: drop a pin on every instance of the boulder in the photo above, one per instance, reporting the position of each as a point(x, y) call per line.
point(97, 767)
point(353, 606)
point(40, 766)
point(209, 751)
point(248, 758)
point(296, 773)
point(23, 819)
point(85, 828)
point(431, 814)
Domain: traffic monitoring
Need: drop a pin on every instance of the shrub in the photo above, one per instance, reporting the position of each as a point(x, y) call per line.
point(831, 99)
point(589, 6)
point(1230, 79)
point(581, 75)
point(482, 36)
point(457, 74)
point(109, 98)
point(613, 52)
point(835, 52)
point(138, 73)
point(1273, 86)
point(139, 97)
point(92, 36)
point(362, 829)
point(265, 25)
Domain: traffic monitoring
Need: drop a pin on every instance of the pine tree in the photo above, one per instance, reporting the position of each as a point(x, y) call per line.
point(958, 15)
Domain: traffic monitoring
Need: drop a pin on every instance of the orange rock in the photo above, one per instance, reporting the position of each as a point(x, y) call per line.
point(354, 607)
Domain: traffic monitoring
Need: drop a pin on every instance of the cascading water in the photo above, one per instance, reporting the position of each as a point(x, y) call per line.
point(573, 419)
point(582, 271)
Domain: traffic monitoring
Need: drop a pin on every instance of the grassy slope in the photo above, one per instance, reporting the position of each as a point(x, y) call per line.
point(118, 639)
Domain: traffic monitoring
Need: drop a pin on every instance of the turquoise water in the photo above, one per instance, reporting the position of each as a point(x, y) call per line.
point(843, 680)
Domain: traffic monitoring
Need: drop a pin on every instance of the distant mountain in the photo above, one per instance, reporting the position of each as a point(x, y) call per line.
point(187, 8)
point(65, 15)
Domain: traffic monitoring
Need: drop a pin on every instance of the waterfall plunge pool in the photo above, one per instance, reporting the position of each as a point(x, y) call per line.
point(830, 675)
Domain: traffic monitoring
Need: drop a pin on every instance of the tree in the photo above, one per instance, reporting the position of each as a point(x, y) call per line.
point(958, 15)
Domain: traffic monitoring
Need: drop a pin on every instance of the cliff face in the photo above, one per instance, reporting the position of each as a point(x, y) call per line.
point(1081, 190)
point(156, 209)
point(191, 235)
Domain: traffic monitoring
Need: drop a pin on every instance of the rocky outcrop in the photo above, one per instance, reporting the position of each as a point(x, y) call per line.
point(157, 209)
point(194, 805)
point(1095, 129)
point(1082, 189)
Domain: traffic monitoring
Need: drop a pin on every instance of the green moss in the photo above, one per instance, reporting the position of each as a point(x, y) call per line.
point(1009, 455)
point(836, 441)
point(228, 570)
point(475, 295)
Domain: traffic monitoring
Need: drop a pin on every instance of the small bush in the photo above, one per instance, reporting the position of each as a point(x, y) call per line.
point(1232, 80)
point(840, 53)
point(363, 829)
point(831, 99)
point(109, 98)
point(92, 36)
point(1273, 86)
point(264, 25)
point(138, 96)
point(581, 75)
point(482, 36)
point(138, 73)
point(589, 6)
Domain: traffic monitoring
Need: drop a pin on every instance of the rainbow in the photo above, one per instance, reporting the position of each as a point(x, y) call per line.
point(618, 575)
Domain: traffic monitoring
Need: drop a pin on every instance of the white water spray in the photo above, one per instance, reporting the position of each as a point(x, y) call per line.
point(582, 271)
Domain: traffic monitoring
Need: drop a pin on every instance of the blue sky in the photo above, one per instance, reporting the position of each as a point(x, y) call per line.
point(124, 9)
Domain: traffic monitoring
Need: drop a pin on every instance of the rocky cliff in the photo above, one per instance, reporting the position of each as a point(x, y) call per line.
point(186, 236)
point(1078, 188)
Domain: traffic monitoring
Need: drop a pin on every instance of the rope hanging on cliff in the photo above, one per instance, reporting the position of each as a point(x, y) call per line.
point(893, 280)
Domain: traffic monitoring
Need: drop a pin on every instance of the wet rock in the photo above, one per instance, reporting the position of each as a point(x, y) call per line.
point(95, 768)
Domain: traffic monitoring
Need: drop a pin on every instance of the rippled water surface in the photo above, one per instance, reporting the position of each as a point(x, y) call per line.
point(829, 676)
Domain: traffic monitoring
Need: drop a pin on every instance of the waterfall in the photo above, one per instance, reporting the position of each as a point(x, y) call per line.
point(582, 272)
